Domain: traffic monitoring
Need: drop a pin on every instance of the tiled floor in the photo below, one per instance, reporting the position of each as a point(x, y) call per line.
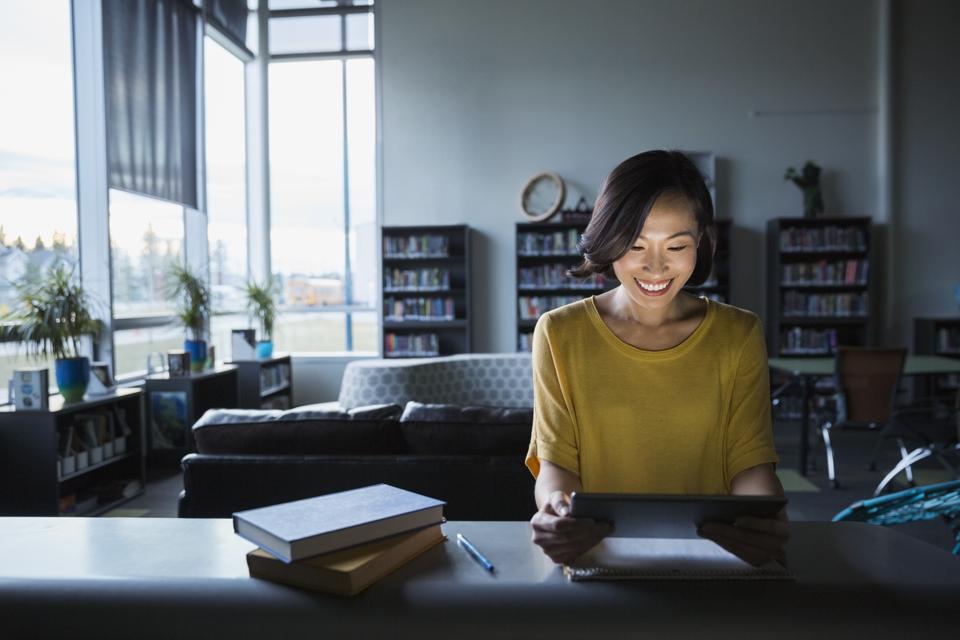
point(811, 497)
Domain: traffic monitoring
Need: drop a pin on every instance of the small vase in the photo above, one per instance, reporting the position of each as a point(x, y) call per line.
point(198, 354)
point(264, 349)
point(72, 375)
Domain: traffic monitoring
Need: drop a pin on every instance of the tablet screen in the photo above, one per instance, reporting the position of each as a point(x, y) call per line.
point(669, 516)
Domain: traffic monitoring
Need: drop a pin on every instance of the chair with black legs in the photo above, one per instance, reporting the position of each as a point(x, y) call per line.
point(866, 381)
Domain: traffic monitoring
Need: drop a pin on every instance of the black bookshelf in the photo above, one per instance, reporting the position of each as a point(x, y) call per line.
point(265, 383)
point(940, 337)
point(427, 286)
point(819, 285)
point(48, 469)
point(545, 251)
point(174, 403)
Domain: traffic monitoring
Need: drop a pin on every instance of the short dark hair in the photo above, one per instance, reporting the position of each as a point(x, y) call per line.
point(624, 202)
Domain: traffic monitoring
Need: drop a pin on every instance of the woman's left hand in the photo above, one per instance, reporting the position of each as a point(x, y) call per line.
point(753, 540)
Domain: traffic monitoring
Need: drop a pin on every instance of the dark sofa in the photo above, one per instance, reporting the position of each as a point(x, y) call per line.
point(470, 457)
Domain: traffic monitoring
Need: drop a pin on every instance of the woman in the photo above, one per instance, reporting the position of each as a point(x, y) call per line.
point(647, 388)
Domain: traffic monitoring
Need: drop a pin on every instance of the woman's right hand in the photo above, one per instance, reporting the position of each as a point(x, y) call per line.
point(562, 537)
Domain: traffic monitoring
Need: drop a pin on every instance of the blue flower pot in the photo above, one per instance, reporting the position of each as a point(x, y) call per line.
point(264, 349)
point(198, 353)
point(72, 375)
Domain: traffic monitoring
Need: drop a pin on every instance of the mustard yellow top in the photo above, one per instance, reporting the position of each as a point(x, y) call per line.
point(682, 420)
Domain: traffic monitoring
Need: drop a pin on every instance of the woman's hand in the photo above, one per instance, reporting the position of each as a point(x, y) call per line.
point(753, 540)
point(562, 537)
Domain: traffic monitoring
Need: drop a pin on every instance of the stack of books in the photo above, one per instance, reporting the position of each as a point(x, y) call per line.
point(340, 543)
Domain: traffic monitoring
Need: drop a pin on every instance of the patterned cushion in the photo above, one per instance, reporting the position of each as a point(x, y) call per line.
point(476, 379)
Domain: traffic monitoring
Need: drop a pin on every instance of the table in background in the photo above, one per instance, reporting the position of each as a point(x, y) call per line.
point(167, 577)
point(174, 403)
point(804, 371)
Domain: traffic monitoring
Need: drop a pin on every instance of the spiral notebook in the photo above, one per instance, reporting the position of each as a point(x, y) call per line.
point(667, 559)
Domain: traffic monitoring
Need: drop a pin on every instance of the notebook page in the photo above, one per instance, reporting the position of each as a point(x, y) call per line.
point(665, 558)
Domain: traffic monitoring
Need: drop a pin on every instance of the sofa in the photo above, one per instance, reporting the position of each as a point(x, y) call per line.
point(470, 457)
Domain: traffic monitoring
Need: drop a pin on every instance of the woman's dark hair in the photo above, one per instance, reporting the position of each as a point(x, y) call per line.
point(624, 202)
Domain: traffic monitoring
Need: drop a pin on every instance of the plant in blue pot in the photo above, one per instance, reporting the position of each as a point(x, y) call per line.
point(262, 306)
point(193, 312)
point(50, 316)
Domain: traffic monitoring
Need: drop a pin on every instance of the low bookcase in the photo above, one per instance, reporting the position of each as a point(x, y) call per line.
point(76, 458)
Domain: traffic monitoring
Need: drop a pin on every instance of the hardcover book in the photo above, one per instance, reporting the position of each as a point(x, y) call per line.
point(349, 571)
point(304, 528)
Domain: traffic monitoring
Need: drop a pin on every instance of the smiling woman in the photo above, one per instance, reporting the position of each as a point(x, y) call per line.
point(631, 360)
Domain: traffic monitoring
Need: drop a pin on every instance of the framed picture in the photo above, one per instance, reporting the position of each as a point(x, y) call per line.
point(30, 389)
point(168, 419)
point(178, 363)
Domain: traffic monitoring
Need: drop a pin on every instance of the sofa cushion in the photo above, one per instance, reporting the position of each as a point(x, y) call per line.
point(431, 429)
point(306, 430)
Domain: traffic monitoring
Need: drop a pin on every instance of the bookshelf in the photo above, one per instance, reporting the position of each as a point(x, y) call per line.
point(174, 403)
point(427, 285)
point(819, 289)
point(75, 459)
point(545, 251)
point(265, 384)
point(940, 337)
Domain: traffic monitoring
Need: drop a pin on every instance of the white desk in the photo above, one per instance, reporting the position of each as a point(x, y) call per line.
point(143, 578)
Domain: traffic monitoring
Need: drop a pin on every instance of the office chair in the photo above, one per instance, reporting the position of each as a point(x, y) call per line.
point(933, 425)
point(866, 382)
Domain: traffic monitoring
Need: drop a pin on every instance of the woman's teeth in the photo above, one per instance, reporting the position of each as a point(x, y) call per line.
point(653, 287)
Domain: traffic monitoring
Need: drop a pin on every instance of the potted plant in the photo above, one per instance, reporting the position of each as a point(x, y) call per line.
point(262, 306)
point(50, 315)
point(193, 311)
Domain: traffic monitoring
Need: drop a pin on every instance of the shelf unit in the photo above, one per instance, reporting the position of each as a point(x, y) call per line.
point(940, 337)
point(174, 403)
point(819, 291)
point(546, 250)
point(427, 286)
point(41, 481)
point(266, 383)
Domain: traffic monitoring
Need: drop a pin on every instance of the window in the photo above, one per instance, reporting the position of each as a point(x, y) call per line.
point(37, 175)
point(324, 237)
point(226, 190)
point(146, 240)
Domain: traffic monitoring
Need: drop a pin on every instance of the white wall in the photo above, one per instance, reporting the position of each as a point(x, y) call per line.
point(478, 96)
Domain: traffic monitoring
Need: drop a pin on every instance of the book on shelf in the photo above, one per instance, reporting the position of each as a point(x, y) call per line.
point(807, 341)
point(552, 243)
point(435, 279)
point(823, 272)
point(349, 571)
point(417, 345)
point(399, 309)
point(304, 528)
point(827, 305)
point(948, 340)
point(666, 559)
point(823, 239)
point(532, 307)
point(416, 246)
point(554, 276)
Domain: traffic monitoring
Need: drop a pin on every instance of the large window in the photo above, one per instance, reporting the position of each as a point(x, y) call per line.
point(38, 211)
point(323, 228)
point(146, 240)
point(225, 124)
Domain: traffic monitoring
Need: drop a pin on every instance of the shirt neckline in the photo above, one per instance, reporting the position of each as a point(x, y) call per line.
point(635, 352)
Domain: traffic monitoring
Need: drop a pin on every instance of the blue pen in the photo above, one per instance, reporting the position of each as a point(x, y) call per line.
point(474, 552)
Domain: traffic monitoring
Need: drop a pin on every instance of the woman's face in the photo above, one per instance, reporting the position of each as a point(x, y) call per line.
point(663, 257)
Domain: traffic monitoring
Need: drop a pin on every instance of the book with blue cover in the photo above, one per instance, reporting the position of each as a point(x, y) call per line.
point(301, 529)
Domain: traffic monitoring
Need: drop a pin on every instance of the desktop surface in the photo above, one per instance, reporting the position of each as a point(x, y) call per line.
point(138, 577)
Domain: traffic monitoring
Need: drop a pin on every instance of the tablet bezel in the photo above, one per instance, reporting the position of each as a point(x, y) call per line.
point(669, 515)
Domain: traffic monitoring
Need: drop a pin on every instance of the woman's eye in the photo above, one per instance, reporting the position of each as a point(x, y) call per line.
point(679, 248)
point(636, 248)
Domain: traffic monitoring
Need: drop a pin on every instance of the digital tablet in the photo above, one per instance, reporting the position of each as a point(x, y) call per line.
point(669, 516)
